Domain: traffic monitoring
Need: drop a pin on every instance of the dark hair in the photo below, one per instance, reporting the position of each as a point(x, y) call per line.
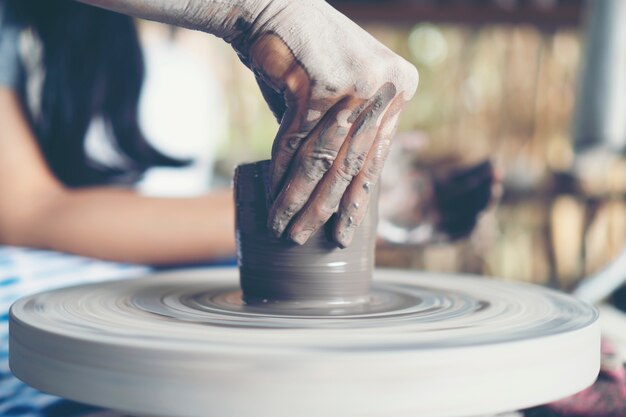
point(93, 67)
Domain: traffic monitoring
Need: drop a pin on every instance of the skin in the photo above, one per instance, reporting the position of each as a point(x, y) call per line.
point(336, 91)
point(36, 210)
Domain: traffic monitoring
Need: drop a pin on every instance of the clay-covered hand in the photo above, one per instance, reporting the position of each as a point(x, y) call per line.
point(435, 203)
point(337, 93)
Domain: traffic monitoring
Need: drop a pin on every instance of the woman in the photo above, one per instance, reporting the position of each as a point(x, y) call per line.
point(74, 66)
point(89, 70)
point(65, 69)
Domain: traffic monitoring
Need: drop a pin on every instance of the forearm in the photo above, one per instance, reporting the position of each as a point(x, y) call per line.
point(120, 225)
point(227, 19)
point(37, 211)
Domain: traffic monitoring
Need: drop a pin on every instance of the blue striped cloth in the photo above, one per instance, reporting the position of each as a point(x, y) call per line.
point(26, 271)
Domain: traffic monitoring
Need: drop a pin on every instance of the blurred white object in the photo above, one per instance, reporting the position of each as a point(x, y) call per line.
point(434, 199)
point(181, 112)
point(613, 323)
point(402, 191)
point(600, 285)
point(601, 103)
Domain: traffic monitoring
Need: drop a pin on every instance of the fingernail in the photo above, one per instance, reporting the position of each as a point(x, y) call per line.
point(301, 237)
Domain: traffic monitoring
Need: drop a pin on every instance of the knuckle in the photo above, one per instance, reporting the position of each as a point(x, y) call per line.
point(409, 70)
point(345, 174)
point(408, 77)
point(321, 159)
point(322, 212)
point(353, 163)
point(373, 170)
point(414, 79)
point(385, 140)
point(403, 74)
point(315, 164)
point(325, 95)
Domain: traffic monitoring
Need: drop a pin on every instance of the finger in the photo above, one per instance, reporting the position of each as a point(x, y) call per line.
point(352, 155)
point(282, 72)
point(298, 122)
point(312, 161)
point(355, 201)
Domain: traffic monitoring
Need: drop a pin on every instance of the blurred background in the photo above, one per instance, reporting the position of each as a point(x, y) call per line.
point(498, 78)
point(536, 86)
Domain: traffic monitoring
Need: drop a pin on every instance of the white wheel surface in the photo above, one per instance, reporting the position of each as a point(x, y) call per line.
point(183, 344)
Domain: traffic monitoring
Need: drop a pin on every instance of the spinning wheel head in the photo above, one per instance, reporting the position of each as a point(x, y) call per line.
point(426, 344)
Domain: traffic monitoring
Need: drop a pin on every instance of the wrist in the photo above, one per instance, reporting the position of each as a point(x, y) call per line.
point(261, 18)
point(229, 20)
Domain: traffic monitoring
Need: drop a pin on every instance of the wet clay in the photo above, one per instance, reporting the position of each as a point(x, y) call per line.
point(276, 271)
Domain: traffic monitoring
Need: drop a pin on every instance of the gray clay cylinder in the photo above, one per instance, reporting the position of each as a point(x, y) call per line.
point(278, 271)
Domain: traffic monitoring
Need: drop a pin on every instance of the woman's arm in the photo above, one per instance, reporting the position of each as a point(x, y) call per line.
point(336, 91)
point(108, 223)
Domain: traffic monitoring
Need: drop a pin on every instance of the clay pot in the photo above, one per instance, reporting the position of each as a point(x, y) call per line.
point(279, 271)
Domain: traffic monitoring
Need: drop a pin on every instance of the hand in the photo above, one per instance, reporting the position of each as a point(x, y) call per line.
point(461, 196)
point(337, 93)
point(425, 202)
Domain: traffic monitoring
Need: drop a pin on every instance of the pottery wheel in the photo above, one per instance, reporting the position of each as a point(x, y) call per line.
point(183, 344)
